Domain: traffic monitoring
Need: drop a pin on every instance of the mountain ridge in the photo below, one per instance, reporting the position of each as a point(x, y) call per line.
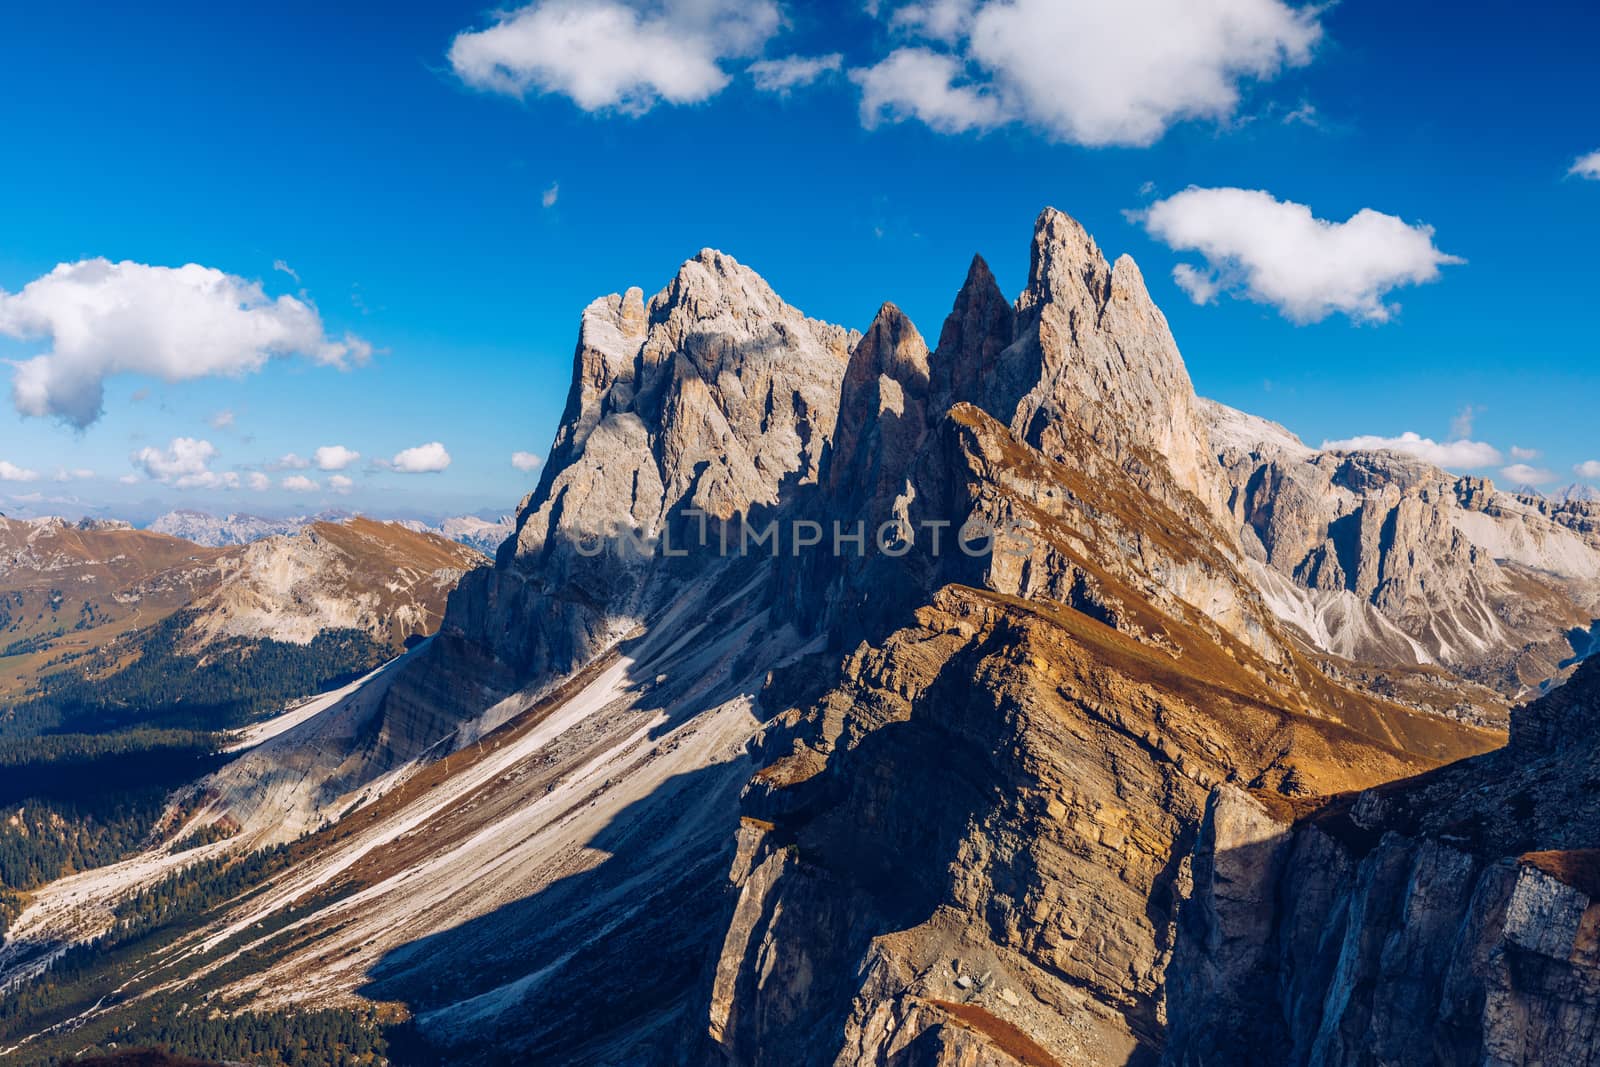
point(813, 808)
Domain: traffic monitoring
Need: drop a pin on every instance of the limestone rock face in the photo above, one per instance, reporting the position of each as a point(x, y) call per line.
point(716, 396)
point(1378, 557)
point(1449, 919)
point(1108, 364)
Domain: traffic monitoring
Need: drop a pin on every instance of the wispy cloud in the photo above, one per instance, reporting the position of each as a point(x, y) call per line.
point(10, 472)
point(1524, 474)
point(789, 73)
point(1460, 455)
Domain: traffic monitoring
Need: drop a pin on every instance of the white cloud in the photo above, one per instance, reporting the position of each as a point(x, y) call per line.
point(1518, 453)
point(1461, 425)
point(1523, 474)
point(605, 54)
point(283, 267)
point(1589, 468)
point(942, 20)
point(176, 323)
point(258, 481)
point(915, 83)
point(423, 459)
point(1201, 286)
point(221, 420)
point(10, 472)
point(76, 474)
point(1587, 166)
point(299, 483)
point(1277, 252)
point(549, 197)
point(1080, 70)
point(525, 461)
point(130, 479)
point(792, 72)
point(340, 484)
point(185, 463)
point(1462, 455)
point(289, 462)
point(334, 457)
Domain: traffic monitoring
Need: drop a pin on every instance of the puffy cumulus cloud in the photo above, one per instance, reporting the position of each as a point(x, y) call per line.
point(611, 54)
point(334, 457)
point(341, 484)
point(1080, 70)
point(430, 458)
point(184, 464)
point(289, 462)
point(10, 472)
point(1462, 455)
point(1277, 252)
point(789, 73)
point(1524, 474)
point(1587, 166)
point(1589, 468)
point(176, 323)
point(184, 455)
point(299, 483)
point(526, 461)
point(258, 481)
point(916, 83)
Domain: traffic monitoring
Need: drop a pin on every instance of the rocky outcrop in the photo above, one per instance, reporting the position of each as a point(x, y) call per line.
point(1447, 919)
point(380, 578)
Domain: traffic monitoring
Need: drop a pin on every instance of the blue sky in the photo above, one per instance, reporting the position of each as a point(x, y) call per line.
point(459, 228)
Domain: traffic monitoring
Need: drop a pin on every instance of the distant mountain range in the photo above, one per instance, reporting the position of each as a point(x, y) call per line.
point(71, 589)
point(217, 531)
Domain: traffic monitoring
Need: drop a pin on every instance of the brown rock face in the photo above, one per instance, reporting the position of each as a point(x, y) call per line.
point(1446, 919)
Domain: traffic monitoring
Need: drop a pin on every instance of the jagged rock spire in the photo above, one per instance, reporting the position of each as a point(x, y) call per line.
point(882, 404)
point(1108, 364)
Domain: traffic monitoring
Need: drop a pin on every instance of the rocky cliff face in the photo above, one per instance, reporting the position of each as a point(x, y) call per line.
point(1446, 919)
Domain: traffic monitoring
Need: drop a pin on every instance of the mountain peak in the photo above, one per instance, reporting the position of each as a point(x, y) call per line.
point(882, 402)
point(1063, 255)
point(980, 326)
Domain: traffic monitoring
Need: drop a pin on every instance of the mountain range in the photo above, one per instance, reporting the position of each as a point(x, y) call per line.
point(1055, 716)
point(216, 531)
